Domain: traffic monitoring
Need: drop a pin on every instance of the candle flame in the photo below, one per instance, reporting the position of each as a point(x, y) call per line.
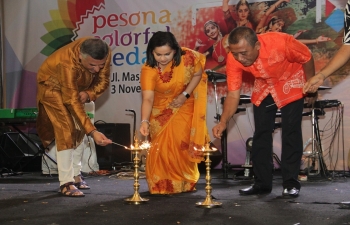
point(145, 145)
point(205, 148)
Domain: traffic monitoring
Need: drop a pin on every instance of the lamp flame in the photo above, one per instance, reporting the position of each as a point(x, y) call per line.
point(145, 145)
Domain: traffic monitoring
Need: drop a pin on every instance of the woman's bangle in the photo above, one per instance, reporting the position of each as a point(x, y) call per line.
point(91, 133)
point(324, 77)
point(145, 121)
point(227, 11)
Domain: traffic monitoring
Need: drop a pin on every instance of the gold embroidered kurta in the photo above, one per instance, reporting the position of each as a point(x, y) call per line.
point(60, 79)
point(171, 163)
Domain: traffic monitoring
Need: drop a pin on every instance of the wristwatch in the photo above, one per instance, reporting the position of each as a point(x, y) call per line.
point(186, 94)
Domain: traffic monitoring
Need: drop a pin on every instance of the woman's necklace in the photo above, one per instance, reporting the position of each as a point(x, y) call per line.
point(243, 23)
point(220, 57)
point(166, 77)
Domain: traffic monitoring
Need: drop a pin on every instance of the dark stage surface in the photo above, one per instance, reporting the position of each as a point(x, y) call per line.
point(33, 199)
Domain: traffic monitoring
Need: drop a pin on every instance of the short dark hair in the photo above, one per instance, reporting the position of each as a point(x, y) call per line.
point(242, 33)
point(94, 47)
point(162, 38)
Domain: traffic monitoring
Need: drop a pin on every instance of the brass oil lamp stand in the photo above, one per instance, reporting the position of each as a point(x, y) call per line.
point(208, 202)
point(136, 199)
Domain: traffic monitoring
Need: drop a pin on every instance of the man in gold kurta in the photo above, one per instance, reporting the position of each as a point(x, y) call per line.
point(73, 75)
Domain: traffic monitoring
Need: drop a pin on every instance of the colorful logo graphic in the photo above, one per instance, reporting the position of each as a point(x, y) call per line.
point(66, 21)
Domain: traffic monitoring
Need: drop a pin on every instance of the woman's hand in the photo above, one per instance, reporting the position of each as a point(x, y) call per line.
point(297, 34)
point(322, 39)
point(311, 86)
point(144, 129)
point(198, 44)
point(178, 101)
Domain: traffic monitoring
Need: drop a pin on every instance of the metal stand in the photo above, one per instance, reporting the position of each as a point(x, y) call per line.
point(13, 122)
point(136, 198)
point(215, 77)
point(316, 153)
point(208, 202)
point(249, 143)
point(247, 165)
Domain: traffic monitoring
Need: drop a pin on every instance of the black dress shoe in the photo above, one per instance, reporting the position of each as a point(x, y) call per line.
point(254, 190)
point(291, 192)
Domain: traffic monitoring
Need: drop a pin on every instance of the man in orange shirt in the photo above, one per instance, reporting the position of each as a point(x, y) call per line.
point(280, 65)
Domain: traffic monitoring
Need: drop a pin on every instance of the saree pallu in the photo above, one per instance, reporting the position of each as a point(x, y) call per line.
point(171, 163)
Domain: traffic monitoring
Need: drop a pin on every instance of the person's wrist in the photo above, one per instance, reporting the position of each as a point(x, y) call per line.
point(88, 97)
point(186, 94)
point(91, 134)
point(323, 76)
point(145, 121)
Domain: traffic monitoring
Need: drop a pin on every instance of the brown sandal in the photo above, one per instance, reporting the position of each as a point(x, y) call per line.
point(82, 184)
point(70, 192)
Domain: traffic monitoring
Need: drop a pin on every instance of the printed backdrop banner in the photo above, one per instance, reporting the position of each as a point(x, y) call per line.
point(34, 29)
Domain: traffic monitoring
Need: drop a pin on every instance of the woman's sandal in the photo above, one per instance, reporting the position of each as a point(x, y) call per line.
point(82, 184)
point(70, 192)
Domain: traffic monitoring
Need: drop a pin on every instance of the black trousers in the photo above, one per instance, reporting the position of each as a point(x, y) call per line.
point(292, 143)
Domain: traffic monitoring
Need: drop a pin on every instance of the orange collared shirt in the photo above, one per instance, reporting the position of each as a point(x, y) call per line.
point(278, 69)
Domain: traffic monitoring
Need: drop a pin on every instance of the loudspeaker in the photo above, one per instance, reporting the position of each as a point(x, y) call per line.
point(15, 148)
point(111, 154)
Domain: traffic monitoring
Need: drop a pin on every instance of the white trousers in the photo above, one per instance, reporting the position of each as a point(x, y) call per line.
point(71, 162)
point(65, 166)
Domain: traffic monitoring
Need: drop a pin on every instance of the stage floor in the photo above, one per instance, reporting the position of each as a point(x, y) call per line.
point(32, 199)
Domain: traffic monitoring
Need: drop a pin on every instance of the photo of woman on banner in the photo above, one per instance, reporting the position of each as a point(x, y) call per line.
point(243, 14)
point(263, 17)
point(219, 49)
point(276, 24)
point(173, 113)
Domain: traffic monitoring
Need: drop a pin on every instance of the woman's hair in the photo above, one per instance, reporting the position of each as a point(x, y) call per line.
point(163, 38)
point(240, 33)
point(273, 21)
point(242, 2)
point(210, 22)
point(94, 47)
